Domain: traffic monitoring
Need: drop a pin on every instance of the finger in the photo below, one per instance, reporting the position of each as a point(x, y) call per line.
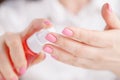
point(110, 18)
point(89, 37)
point(57, 53)
point(6, 68)
point(17, 54)
point(65, 57)
point(73, 47)
point(39, 59)
point(35, 26)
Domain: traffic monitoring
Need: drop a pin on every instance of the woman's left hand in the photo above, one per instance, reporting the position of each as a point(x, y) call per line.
point(89, 49)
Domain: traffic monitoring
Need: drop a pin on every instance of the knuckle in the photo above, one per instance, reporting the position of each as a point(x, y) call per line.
point(79, 35)
point(12, 38)
point(82, 34)
point(36, 23)
point(8, 33)
point(79, 52)
point(37, 20)
point(91, 39)
point(14, 42)
point(61, 41)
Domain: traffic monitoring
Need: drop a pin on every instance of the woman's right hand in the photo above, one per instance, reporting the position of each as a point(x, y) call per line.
point(12, 56)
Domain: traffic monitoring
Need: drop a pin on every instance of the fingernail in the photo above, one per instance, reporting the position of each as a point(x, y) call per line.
point(14, 78)
point(47, 22)
point(109, 7)
point(67, 32)
point(22, 70)
point(48, 49)
point(51, 38)
point(54, 57)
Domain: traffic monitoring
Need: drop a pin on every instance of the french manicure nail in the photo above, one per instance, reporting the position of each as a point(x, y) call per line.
point(48, 49)
point(47, 22)
point(109, 7)
point(51, 38)
point(22, 70)
point(67, 32)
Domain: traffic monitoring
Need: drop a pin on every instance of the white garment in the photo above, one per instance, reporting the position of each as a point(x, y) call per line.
point(15, 16)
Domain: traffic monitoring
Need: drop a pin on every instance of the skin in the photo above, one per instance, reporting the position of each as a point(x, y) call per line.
point(99, 50)
point(74, 6)
point(15, 53)
point(90, 49)
point(11, 44)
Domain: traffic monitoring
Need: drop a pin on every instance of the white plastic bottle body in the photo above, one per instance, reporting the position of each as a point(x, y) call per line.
point(37, 40)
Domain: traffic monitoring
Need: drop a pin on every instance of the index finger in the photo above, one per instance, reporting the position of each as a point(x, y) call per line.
point(89, 37)
point(35, 26)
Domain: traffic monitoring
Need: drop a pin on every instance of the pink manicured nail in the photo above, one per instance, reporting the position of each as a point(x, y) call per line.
point(48, 49)
point(109, 7)
point(47, 22)
point(22, 70)
point(54, 57)
point(67, 32)
point(51, 38)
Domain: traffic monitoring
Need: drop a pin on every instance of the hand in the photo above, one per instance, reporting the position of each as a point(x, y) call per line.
point(12, 57)
point(89, 49)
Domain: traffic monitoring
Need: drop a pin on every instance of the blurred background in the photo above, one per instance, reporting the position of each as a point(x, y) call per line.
point(15, 15)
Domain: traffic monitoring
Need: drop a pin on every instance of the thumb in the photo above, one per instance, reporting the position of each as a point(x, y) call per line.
point(110, 18)
point(35, 26)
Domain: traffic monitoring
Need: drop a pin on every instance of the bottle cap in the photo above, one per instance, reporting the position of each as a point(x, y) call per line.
point(37, 40)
